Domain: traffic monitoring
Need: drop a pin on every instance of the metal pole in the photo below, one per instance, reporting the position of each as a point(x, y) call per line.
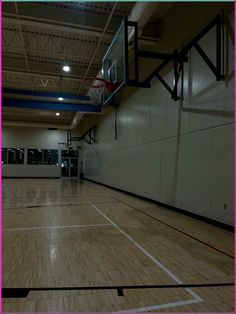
point(218, 49)
point(136, 52)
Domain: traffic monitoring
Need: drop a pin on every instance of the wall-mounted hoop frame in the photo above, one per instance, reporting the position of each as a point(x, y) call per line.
point(178, 58)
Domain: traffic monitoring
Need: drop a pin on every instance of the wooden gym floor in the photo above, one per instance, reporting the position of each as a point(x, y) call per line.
point(60, 233)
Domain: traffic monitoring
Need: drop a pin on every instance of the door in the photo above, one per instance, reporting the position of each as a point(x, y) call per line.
point(69, 167)
point(65, 167)
point(73, 167)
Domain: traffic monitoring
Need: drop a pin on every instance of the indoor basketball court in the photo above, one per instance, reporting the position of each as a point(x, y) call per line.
point(117, 157)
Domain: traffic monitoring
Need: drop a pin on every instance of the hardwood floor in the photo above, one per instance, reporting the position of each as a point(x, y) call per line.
point(60, 234)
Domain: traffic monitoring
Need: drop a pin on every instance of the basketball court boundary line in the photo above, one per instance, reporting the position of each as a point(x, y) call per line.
point(58, 205)
point(55, 227)
point(195, 296)
point(176, 229)
point(160, 306)
point(24, 292)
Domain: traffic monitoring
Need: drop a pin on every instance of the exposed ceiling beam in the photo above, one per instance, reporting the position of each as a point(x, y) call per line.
point(69, 27)
point(40, 53)
point(56, 25)
point(41, 74)
point(23, 43)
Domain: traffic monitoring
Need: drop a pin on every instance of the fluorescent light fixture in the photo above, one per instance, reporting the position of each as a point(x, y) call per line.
point(60, 98)
point(57, 114)
point(66, 68)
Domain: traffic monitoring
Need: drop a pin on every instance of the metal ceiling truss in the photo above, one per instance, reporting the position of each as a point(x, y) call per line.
point(178, 58)
point(91, 7)
point(49, 43)
point(47, 60)
point(14, 78)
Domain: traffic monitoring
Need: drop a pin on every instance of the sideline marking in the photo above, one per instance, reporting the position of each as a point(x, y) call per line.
point(184, 233)
point(195, 296)
point(55, 227)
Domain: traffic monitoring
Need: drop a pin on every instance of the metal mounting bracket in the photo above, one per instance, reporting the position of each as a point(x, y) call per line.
point(180, 57)
point(88, 137)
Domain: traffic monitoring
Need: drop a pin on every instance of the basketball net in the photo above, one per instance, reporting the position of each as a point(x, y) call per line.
point(97, 88)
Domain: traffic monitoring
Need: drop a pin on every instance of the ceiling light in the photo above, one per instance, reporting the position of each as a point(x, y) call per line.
point(57, 114)
point(60, 98)
point(66, 68)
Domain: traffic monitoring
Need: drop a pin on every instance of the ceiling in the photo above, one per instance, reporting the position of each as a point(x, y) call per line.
point(38, 38)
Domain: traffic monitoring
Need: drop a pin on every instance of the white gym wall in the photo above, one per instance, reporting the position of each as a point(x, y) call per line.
point(177, 153)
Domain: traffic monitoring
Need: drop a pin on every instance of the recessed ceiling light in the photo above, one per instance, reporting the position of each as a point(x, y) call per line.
point(60, 98)
point(66, 68)
point(57, 114)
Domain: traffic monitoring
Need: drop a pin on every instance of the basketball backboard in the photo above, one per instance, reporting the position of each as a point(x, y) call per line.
point(120, 64)
point(114, 64)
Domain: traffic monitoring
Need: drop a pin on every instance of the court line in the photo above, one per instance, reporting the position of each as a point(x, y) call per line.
point(160, 306)
point(4, 186)
point(57, 205)
point(184, 233)
point(24, 292)
point(195, 296)
point(55, 227)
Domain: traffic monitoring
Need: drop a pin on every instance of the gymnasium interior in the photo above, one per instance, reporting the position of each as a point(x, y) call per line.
point(117, 157)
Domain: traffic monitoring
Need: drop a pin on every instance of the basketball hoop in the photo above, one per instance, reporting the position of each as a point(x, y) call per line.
point(97, 88)
point(63, 146)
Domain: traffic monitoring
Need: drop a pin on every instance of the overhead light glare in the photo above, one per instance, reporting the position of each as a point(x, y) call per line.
point(57, 114)
point(60, 98)
point(66, 68)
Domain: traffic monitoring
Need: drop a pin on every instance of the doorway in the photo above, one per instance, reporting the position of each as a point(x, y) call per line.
point(69, 167)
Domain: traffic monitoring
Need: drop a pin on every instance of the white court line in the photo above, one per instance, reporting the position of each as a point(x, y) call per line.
point(56, 227)
point(196, 297)
point(160, 306)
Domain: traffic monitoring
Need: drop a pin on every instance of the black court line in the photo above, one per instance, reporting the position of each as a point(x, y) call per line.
point(23, 292)
point(182, 232)
point(178, 210)
point(58, 205)
point(4, 186)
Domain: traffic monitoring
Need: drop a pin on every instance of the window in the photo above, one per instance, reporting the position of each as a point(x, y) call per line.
point(35, 157)
point(4, 155)
point(15, 155)
point(70, 153)
point(50, 157)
